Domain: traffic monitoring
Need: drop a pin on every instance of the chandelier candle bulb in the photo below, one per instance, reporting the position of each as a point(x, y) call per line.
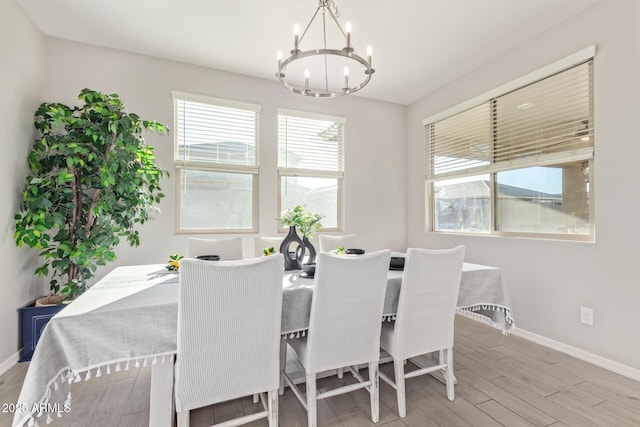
point(306, 80)
point(369, 53)
point(279, 55)
point(347, 28)
point(296, 36)
point(346, 78)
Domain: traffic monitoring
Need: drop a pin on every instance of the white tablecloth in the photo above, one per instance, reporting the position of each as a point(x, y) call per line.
point(129, 318)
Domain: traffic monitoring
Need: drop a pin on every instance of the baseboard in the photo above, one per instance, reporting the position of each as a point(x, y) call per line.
point(594, 359)
point(9, 363)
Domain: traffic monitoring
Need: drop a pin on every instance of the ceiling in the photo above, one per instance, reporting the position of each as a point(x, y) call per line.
point(418, 45)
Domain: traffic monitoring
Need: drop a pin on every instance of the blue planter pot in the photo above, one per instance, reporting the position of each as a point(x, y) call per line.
point(32, 322)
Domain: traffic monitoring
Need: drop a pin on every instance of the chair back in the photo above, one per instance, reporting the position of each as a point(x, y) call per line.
point(229, 315)
point(227, 249)
point(346, 310)
point(427, 301)
point(330, 243)
point(266, 242)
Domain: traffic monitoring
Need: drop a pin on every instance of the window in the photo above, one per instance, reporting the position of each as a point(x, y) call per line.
point(518, 163)
point(216, 164)
point(310, 164)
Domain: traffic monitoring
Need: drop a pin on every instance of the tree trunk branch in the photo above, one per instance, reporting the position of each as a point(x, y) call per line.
point(96, 195)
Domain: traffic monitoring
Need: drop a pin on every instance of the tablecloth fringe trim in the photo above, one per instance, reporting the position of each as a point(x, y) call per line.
point(298, 333)
point(470, 311)
point(70, 375)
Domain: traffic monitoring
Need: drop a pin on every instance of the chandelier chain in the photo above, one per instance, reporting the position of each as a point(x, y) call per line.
point(330, 4)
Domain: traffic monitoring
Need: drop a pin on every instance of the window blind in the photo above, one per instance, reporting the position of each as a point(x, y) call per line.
point(215, 137)
point(546, 122)
point(312, 146)
point(460, 142)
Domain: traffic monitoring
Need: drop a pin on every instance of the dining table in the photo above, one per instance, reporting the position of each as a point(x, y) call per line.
point(129, 319)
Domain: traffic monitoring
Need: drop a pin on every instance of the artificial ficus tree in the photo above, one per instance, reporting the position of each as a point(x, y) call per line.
point(92, 181)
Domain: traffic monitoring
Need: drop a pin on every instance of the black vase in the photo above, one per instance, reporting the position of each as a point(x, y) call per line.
point(310, 249)
point(292, 257)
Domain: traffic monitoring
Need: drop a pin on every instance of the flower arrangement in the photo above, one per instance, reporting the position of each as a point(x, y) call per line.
point(174, 262)
point(291, 217)
point(269, 251)
point(306, 222)
point(310, 223)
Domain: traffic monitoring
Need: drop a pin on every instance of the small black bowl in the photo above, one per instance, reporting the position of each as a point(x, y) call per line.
point(308, 270)
point(355, 251)
point(209, 257)
point(396, 263)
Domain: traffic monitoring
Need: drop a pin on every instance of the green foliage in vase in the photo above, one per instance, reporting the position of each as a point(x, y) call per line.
point(269, 251)
point(306, 222)
point(291, 217)
point(92, 181)
point(310, 223)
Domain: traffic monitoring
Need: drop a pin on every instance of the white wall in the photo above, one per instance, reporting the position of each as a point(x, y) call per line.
point(21, 85)
point(550, 280)
point(374, 158)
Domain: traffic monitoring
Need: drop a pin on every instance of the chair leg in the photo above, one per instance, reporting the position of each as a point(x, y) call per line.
point(256, 398)
point(398, 370)
point(374, 391)
point(183, 419)
point(340, 373)
point(272, 407)
point(448, 375)
point(283, 364)
point(312, 401)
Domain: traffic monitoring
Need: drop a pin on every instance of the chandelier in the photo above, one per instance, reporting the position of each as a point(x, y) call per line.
point(333, 76)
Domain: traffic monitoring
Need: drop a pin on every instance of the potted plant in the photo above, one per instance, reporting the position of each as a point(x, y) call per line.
point(92, 180)
point(297, 219)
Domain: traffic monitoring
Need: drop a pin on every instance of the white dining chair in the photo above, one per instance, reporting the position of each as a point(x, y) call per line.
point(227, 249)
point(425, 316)
point(346, 241)
point(266, 242)
point(229, 316)
point(344, 326)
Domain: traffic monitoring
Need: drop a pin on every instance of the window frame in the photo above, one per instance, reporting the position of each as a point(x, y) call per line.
point(585, 55)
point(180, 165)
point(310, 173)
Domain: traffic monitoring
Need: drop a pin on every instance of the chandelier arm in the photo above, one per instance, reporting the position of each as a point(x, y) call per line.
point(309, 24)
point(335, 19)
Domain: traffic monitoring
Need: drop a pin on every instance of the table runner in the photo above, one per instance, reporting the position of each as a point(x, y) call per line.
point(129, 318)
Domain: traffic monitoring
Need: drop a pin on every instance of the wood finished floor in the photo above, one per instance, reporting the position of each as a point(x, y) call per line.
point(502, 381)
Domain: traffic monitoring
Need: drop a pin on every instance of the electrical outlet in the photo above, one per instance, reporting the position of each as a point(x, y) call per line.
point(586, 316)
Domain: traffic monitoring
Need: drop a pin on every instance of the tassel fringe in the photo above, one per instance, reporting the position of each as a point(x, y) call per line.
point(471, 311)
point(60, 383)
